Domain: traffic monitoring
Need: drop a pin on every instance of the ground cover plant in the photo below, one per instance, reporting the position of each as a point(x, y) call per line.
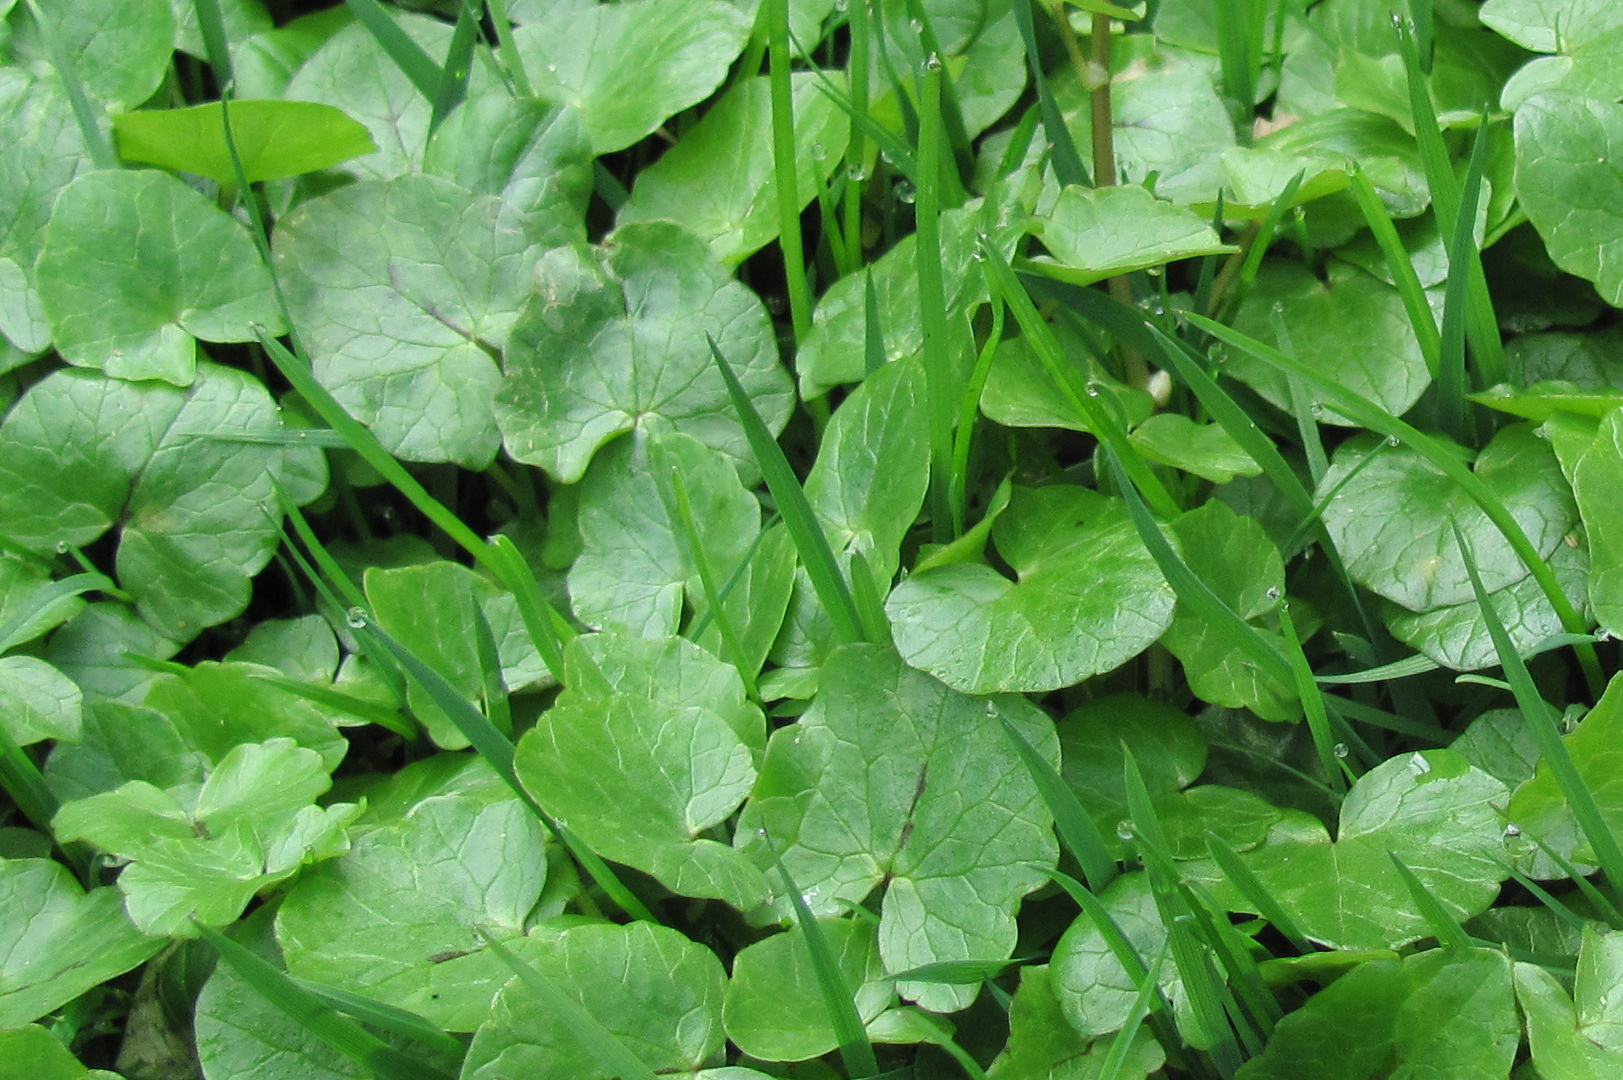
point(811, 538)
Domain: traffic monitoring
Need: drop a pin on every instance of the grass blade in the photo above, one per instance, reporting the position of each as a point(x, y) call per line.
point(810, 540)
point(508, 56)
point(1444, 927)
point(856, 146)
point(371, 711)
point(940, 372)
point(497, 750)
point(317, 1017)
point(384, 1017)
point(1313, 707)
point(784, 169)
point(211, 25)
point(1062, 153)
point(453, 83)
point(398, 45)
point(968, 410)
point(856, 1051)
point(1252, 888)
point(88, 117)
point(1401, 266)
point(1451, 378)
point(1378, 420)
point(1122, 1042)
point(1045, 346)
point(1541, 724)
point(604, 1044)
point(873, 337)
point(1076, 829)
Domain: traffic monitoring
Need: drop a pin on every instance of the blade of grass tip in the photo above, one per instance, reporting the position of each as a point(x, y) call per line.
point(512, 62)
point(1420, 11)
point(895, 151)
point(613, 1055)
point(1088, 405)
point(1079, 833)
point(952, 116)
point(702, 622)
point(91, 129)
point(1377, 419)
point(1311, 524)
point(732, 646)
point(317, 1017)
point(398, 45)
point(497, 750)
point(370, 711)
point(1122, 1042)
point(865, 591)
point(1194, 592)
point(547, 628)
point(1541, 724)
point(856, 1051)
point(46, 603)
point(873, 338)
point(1452, 382)
point(453, 84)
point(1252, 1009)
point(1544, 896)
point(1418, 664)
point(345, 592)
point(1433, 733)
point(493, 689)
point(1302, 408)
point(22, 781)
point(1233, 19)
point(968, 411)
point(383, 1016)
point(1482, 327)
point(810, 540)
point(1067, 162)
point(946, 519)
point(1401, 267)
point(1307, 691)
point(211, 26)
point(1259, 243)
point(784, 168)
point(856, 147)
point(1444, 927)
point(1252, 888)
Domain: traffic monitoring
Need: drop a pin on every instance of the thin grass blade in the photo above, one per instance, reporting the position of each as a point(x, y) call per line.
point(1541, 724)
point(784, 168)
point(613, 1054)
point(1313, 706)
point(317, 1017)
point(1252, 888)
point(508, 55)
point(1076, 829)
point(873, 337)
point(453, 84)
point(1063, 155)
point(211, 25)
point(1452, 382)
point(940, 371)
point(88, 117)
point(1122, 1042)
point(856, 1051)
point(968, 410)
point(1444, 927)
point(1401, 267)
point(1602, 903)
point(371, 711)
point(398, 45)
point(384, 1017)
point(810, 540)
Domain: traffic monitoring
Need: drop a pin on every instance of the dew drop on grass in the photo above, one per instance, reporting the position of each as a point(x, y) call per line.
point(1341, 750)
point(932, 62)
point(1273, 592)
point(905, 194)
point(1093, 388)
point(856, 174)
point(1124, 830)
point(61, 547)
point(1512, 830)
point(818, 153)
point(356, 618)
point(1393, 440)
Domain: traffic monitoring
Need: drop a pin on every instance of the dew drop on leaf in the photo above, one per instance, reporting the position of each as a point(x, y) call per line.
point(356, 618)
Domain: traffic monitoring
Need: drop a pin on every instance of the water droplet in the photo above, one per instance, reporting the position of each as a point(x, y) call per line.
point(1341, 750)
point(856, 174)
point(1093, 388)
point(1397, 21)
point(932, 62)
point(978, 255)
point(552, 69)
point(1274, 592)
point(905, 194)
point(1154, 271)
point(915, 24)
point(818, 152)
point(1124, 830)
point(1393, 440)
point(1601, 160)
point(1513, 829)
point(1419, 765)
point(356, 618)
point(808, 898)
point(1279, 307)
point(61, 547)
point(1316, 408)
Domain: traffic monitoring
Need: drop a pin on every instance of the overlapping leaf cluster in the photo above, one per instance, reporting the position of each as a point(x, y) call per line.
point(418, 657)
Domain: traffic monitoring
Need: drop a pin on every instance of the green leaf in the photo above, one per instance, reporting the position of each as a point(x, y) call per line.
point(1021, 392)
point(81, 452)
point(532, 154)
point(774, 1008)
point(718, 178)
point(615, 340)
point(121, 49)
point(252, 823)
point(41, 151)
point(1234, 557)
point(1444, 1012)
point(37, 701)
point(1097, 232)
point(1539, 807)
point(1576, 1038)
point(57, 940)
point(351, 72)
point(470, 862)
point(34, 1053)
point(405, 292)
point(1043, 1044)
point(1595, 480)
point(1393, 521)
point(655, 992)
point(275, 139)
point(1089, 597)
point(1433, 810)
point(1353, 329)
point(215, 706)
point(1094, 992)
point(625, 69)
point(1203, 450)
point(641, 774)
point(136, 266)
point(1567, 184)
point(634, 573)
point(891, 776)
